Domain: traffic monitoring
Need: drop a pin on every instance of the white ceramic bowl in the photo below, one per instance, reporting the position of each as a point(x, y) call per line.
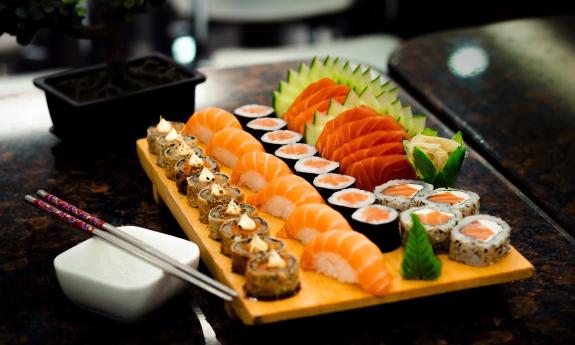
point(105, 279)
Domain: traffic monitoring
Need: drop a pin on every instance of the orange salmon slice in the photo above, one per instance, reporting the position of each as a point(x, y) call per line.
point(403, 190)
point(477, 231)
point(316, 163)
point(446, 198)
point(375, 214)
point(434, 218)
point(297, 149)
point(352, 197)
point(333, 179)
point(277, 136)
point(254, 109)
point(264, 122)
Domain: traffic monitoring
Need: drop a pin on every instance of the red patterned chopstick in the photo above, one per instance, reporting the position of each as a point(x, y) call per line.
point(132, 246)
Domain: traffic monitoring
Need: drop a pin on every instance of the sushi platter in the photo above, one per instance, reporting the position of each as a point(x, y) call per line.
point(319, 294)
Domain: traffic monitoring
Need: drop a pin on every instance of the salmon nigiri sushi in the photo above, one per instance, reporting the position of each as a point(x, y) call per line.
point(255, 169)
point(283, 194)
point(307, 221)
point(349, 257)
point(204, 123)
point(229, 144)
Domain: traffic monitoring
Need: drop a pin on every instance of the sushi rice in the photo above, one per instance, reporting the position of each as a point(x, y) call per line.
point(479, 240)
point(438, 222)
point(395, 193)
point(464, 201)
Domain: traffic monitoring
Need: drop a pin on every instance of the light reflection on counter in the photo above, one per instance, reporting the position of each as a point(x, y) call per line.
point(468, 61)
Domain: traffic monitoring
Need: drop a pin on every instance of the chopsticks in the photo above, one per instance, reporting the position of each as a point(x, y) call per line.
point(109, 233)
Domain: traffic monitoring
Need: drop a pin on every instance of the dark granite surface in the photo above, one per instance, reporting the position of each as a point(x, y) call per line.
point(511, 88)
point(33, 309)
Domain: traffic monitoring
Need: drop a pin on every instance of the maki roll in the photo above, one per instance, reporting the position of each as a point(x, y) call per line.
point(327, 184)
point(438, 222)
point(216, 195)
point(400, 194)
point(192, 166)
point(464, 201)
point(272, 276)
point(252, 247)
point(380, 224)
point(259, 127)
point(162, 128)
point(310, 167)
point(240, 229)
point(154, 133)
point(223, 213)
point(248, 112)
point(203, 180)
point(171, 139)
point(291, 153)
point(274, 139)
point(348, 200)
point(479, 240)
point(174, 154)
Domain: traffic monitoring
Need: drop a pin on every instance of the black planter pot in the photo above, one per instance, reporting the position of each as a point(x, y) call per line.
point(123, 117)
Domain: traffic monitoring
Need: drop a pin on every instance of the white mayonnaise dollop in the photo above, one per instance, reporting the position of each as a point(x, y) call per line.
point(275, 260)
point(246, 223)
point(163, 126)
point(206, 175)
point(257, 245)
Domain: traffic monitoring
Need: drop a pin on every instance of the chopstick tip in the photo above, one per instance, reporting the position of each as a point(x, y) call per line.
point(41, 192)
point(29, 198)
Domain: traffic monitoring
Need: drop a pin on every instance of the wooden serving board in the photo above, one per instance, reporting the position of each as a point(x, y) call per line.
point(319, 294)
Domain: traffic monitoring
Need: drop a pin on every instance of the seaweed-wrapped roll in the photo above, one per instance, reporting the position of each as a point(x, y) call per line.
point(380, 224)
point(274, 139)
point(291, 153)
point(260, 126)
point(248, 112)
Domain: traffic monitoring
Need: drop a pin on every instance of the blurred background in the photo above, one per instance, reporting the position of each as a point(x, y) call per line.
point(225, 33)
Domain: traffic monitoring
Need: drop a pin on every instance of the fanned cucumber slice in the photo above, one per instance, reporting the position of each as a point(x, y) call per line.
point(312, 132)
point(379, 95)
point(418, 124)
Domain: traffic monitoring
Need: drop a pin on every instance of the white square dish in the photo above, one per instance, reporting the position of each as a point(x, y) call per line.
point(107, 280)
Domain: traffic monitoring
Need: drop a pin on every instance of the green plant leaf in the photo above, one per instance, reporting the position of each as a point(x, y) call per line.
point(429, 131)
point(424, 165)
point(458, 137)
point(452, 168)
point(419, 260)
